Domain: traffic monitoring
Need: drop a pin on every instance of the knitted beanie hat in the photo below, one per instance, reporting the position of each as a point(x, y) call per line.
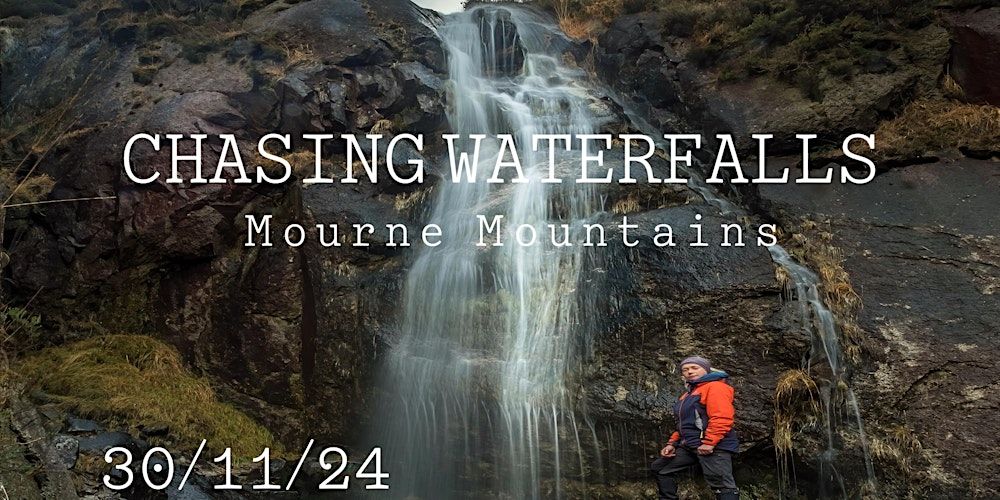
point(697, 360)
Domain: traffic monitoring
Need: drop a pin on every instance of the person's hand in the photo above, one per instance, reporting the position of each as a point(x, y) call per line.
point(706, 449)
point(668, 451)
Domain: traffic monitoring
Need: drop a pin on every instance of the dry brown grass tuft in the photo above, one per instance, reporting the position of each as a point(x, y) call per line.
point(898, 444)
point(297, 54)
point(795, 403)
point(32, 189)
point(410, 204)
point(951, 88)
point(383, 127)
point(580, 29)
point(586, 19)
point(795, 406)
point(303, 163)
point(134, 379)
point(627, 205)
point(929, 126)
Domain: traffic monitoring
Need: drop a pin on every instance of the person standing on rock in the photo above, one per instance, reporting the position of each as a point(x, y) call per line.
point(704, 432)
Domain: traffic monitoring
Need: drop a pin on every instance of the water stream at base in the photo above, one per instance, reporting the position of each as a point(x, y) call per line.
point(481, 396)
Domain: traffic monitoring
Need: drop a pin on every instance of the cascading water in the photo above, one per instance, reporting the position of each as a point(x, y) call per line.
point(482, 400)
point(835, 393)
point(481, 392)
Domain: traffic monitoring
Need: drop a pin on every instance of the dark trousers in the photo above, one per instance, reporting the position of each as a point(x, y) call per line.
point(716, 467)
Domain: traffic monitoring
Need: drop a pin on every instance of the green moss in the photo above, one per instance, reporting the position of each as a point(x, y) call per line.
point(134, 380)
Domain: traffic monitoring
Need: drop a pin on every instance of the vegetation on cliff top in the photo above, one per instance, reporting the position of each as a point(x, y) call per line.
point(793, 40)
point(819, 46)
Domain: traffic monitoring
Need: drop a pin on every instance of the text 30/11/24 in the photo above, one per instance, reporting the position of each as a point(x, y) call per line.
point(157, 471)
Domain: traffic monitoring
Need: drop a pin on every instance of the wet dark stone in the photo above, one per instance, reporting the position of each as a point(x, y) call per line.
point(99, 443)
point(154, 431)
point(81, 426)
point(975, 54)
point(499, 33)
point(125, 34)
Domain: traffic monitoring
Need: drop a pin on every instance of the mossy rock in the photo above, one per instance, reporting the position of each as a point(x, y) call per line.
point(133, 380)
point(15, 469)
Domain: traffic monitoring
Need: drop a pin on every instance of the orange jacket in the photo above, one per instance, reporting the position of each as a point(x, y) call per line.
point(705, 414)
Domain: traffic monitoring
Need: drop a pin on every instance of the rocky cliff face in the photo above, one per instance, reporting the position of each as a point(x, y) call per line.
point(290, 334)
point(285, 333)
point(915, 246)
point(923, 259)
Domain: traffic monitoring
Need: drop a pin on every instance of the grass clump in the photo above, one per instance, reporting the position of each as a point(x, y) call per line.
point(583, 19)
point(900, 445)
point(928, 126)
point(135, 380)
point(796, 406)
point(794, 402)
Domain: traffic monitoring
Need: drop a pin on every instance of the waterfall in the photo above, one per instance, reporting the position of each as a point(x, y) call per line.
point(480, 399)
point(836, 395)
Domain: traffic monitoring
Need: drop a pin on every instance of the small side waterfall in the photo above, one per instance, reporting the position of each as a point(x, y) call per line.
point(838, 402)
point(481, 378)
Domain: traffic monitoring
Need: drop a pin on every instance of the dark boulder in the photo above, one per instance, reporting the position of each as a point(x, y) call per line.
point(505, 55)
point(975, 54)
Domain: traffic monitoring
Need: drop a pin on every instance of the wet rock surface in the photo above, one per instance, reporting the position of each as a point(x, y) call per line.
point(924, 260)
point(723, 302)
point(289, 335)
point(632, 56)
point(497, 30)
point(916, 243)
point(265, 324)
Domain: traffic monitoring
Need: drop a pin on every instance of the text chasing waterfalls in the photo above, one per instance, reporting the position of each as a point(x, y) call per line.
point(465, 157)
point(547, 159)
